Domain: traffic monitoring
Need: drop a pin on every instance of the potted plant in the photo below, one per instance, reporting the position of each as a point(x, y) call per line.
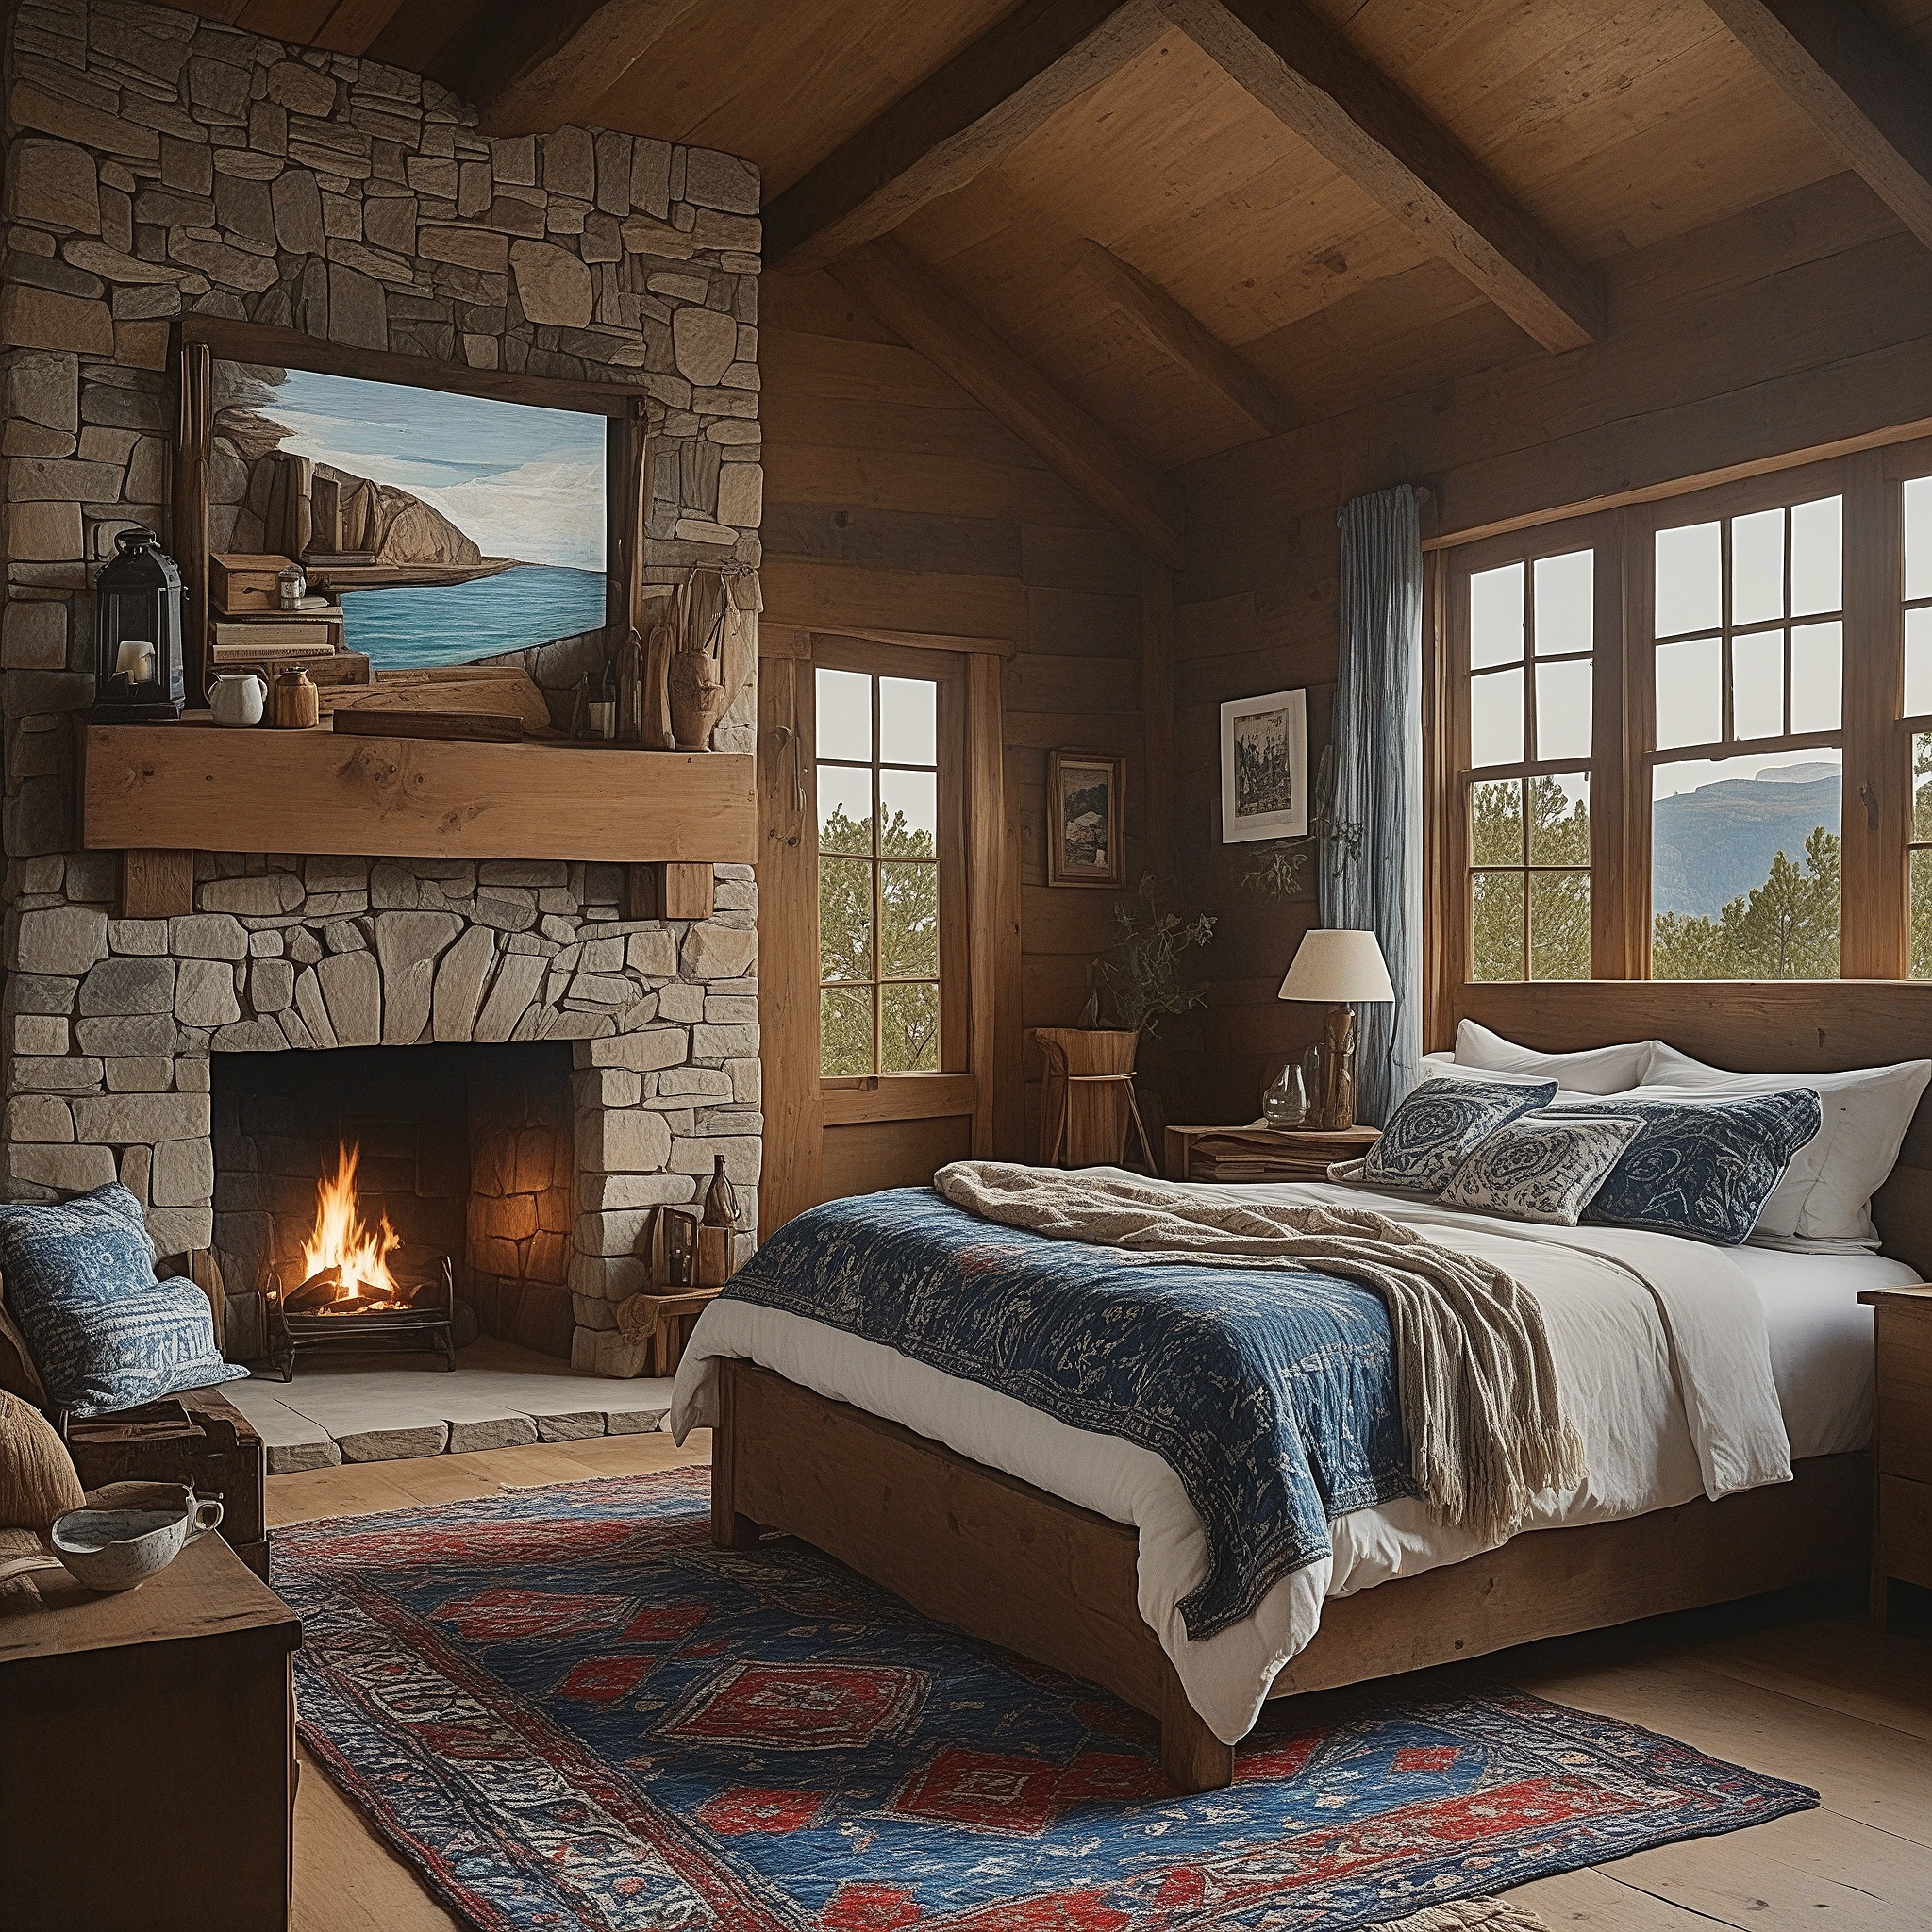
point(1087, 1099)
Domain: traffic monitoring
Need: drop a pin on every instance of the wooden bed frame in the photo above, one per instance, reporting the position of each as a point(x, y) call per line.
point(1017, 1567)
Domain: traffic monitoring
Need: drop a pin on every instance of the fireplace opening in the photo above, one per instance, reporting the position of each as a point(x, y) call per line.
point(368, 1196)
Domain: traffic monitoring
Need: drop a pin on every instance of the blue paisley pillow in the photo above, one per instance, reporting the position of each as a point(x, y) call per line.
point(1701, 1168)
point(1438, 1126)
point(105, 1334)
point(1540, 1168)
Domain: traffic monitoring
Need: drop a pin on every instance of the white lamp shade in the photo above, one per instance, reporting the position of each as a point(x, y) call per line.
point(1336, 966)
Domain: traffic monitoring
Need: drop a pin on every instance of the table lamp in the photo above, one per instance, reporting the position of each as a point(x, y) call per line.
point(1338, 966)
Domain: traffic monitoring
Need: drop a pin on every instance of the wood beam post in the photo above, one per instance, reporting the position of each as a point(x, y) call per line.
point(529, 69)
point(909, 298)
point(1180, 336)
point(1352, 115)
point(966, 117)
point(1863, 92)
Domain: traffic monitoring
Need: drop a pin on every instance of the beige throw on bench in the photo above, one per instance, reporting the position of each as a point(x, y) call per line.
point(1479, 1401)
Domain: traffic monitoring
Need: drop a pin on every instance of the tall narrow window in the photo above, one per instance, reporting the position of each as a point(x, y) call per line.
point(879, 866)
point(1746, 769)
point(1530, 637)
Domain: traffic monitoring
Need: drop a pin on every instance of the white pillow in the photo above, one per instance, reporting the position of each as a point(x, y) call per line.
point(1541, 1169)
point(1826, 1193)
point(1596, 1070)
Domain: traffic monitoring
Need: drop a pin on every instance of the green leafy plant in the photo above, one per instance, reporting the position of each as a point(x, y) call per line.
point(1140, 975)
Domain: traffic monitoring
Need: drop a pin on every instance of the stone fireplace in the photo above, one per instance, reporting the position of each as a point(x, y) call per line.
point(160, 166)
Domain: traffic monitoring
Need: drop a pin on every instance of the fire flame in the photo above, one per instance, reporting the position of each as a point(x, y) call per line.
point(341, 1241)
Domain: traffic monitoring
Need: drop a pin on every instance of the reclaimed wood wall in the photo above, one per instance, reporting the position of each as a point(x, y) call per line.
point(894, 501)
point(1799, 325)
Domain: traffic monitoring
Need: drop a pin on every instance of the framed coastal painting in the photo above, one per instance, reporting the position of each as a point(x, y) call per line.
point(1265, 767)
point(1086, 809)
point(449, 527)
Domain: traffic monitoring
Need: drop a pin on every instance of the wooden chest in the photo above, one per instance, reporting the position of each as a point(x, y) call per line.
point(147, 1778)
point(198, 1437)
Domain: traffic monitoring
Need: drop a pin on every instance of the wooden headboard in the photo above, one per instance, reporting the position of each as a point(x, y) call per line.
point(1801, 1026)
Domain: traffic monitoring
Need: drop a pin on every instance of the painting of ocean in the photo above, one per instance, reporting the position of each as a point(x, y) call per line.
point(503, 502)
point(410, 625)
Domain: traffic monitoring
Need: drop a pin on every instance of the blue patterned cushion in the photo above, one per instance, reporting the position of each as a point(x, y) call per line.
point(105, 1334)
point(1438, 1126)
point(1701, 1168)
point(1540, 1168)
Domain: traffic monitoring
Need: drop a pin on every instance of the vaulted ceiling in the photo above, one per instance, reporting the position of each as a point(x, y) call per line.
point(1202, 221)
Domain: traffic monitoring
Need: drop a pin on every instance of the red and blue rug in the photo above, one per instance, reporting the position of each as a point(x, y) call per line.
point(569, 1712)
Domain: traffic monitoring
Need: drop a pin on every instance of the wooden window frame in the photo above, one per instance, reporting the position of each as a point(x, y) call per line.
point(1875, 739)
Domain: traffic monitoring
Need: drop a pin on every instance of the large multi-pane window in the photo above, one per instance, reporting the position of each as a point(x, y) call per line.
point(1692, 738)
point(1531, 629)
point(1747, 639)
point(879, 833)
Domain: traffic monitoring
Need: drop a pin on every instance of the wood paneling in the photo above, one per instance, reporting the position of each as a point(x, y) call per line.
point(859, 486)
point(1314, 81)
point(955, 123)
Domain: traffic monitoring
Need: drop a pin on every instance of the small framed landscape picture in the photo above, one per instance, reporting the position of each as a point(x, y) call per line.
point(1265, 767)
point(1085, 818)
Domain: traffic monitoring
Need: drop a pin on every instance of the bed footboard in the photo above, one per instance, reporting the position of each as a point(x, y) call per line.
point(960, 1542)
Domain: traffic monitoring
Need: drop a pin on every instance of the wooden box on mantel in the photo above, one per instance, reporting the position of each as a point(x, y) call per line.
point(197, 786)
point(245, 583)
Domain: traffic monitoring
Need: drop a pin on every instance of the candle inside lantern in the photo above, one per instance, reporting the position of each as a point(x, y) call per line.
point(136, 660)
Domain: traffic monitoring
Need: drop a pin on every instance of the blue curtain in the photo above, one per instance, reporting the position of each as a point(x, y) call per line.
point(1370, 872)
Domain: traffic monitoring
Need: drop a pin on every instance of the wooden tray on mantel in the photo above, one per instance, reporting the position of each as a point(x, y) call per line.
point(197, 786)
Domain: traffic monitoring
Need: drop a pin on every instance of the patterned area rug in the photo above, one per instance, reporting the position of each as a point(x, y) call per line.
point(569, 1712)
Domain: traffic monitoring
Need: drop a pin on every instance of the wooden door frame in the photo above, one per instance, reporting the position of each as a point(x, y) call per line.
point(983, 1080)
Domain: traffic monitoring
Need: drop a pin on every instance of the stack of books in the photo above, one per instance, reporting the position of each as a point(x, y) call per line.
point(1243, 1160)
point(250, 631)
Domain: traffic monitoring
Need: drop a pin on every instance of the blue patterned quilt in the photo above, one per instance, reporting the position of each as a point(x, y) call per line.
point(1270, 1393)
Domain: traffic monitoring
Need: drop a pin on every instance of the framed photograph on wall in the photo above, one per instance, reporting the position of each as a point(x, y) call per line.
point(1265, 767)
point(1086, 816)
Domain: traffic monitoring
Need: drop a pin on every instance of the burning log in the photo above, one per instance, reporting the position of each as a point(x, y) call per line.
point(316, 1293)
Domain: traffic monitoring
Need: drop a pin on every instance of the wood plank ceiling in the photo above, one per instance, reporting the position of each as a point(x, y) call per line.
point(1203, 221)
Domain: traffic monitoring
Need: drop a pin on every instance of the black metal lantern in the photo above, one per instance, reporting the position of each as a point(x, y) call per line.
point(138, 633)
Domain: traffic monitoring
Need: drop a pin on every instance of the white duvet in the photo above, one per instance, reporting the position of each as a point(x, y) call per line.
point(1664, 1357)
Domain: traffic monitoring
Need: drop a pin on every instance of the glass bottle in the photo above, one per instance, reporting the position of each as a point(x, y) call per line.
point(1285, 1099)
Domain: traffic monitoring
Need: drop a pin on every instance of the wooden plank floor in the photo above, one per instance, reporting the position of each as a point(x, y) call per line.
point(1820, 1699)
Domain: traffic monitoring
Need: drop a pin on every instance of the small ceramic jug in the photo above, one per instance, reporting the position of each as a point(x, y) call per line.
point(236, 698)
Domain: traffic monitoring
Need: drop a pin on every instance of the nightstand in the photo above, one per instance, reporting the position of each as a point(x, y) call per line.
point(1262, 1153)
point(1901, 1442)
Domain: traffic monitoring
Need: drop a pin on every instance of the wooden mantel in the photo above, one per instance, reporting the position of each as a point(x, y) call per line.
point(196, 786)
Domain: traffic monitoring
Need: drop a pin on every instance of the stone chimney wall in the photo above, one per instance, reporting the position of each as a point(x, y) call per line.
point(158, 165)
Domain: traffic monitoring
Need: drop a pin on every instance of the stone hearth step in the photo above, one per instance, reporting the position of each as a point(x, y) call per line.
point(498, 1396)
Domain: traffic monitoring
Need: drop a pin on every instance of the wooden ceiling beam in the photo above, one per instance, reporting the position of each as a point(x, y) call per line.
point(1861, 89)
point(1309, 77)
point(961, 119)
point(913, 302)
point(1176, 333)
point(531, 68)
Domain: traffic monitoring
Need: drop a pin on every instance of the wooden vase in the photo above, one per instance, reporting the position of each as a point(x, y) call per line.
point(698, 698)
point(292, 702)
point(1084, 1121)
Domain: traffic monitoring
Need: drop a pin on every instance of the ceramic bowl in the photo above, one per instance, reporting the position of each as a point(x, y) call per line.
point(137, 1534)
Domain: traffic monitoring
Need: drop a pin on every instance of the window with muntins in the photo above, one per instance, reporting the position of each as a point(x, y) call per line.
point(1691, 740)
point(879, 833)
